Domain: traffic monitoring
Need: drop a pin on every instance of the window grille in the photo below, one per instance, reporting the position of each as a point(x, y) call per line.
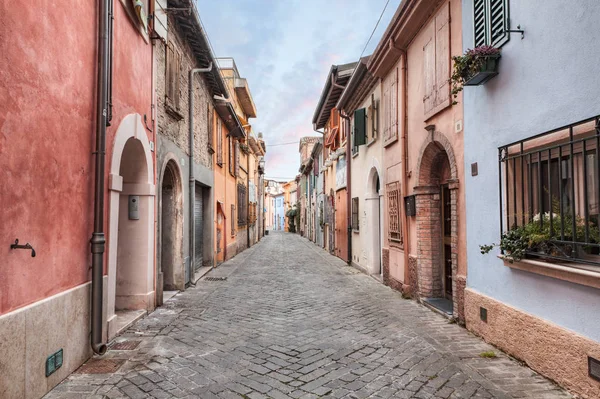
point(232, 220)
point(393, 207)
point(549, 188)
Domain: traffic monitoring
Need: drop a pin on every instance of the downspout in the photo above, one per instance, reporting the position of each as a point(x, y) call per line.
point(98, 239)
point(247, 197)
point(192, 186)
point(404, 155)
point(349, 188)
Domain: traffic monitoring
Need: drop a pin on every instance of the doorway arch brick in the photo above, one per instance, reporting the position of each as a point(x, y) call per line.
point(436, 166)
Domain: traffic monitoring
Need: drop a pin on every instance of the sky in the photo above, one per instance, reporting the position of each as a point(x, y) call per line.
point(285, 49)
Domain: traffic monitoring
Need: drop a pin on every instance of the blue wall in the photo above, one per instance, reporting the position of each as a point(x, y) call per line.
point(549, 79)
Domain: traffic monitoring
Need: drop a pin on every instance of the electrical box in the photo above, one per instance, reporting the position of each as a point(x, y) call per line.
point(134, 207)
point(410, 205)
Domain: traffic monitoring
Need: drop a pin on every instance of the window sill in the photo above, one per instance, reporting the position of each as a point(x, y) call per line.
point(354, 155)
point(356, 231)
point(572, 273)
point(371, 142)
point(172, 111)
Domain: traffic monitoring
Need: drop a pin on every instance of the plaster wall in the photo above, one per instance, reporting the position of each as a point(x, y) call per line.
point(448, 122)
point(369, 159)
point(225, 192)
point(46, 142)
point(536, 90)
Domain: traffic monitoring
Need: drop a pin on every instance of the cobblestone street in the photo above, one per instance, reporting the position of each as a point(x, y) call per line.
point(291, 321)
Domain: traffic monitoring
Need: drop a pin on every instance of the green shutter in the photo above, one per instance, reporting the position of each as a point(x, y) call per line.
point(490, 22)
point(498, 22)
point(479, 22)
point(360, 127)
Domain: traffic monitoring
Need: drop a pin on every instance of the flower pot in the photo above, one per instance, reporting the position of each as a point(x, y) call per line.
point(488, 69)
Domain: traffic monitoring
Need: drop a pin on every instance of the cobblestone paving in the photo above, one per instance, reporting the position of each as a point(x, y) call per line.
point(291, 321)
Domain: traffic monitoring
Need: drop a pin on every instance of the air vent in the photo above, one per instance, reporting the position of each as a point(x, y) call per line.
point(215, 278)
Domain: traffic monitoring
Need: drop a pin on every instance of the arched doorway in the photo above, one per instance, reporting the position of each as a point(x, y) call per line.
point(171, 268)
point(131, 226)
point(374, 221)
point(436, 196)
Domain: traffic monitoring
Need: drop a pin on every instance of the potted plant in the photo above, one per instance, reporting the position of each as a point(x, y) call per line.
point(474, 68)
point(244, 147)
point(541, 238)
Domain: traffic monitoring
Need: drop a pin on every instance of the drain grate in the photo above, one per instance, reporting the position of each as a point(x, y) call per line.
point(127, 345)
point(215, 278)
point(100, 366)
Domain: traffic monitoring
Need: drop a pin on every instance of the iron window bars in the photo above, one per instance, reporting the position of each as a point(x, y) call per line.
point(552, 179)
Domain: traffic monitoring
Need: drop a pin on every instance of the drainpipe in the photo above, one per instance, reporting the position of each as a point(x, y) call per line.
point(247, 195)
point(98, 240)
point(404, 154)
point(348, 188)
point(192, 187)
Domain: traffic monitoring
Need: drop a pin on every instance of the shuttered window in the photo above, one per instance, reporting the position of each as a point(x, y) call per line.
point(210, 128)
point(232, 157)
point(436, 63)
point(232, 220)
point(360, 127)
point(490, 22)
point(173, 76)
point(219, 142)
point(390, 107)
point(355, 223)
point(242, 205)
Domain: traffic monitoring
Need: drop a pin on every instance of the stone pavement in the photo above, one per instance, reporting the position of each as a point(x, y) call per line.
point(291, 321)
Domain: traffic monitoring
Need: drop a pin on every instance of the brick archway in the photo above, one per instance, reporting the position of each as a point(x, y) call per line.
point(436, 169)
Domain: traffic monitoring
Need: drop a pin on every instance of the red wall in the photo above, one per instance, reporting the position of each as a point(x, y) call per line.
point(47, 87)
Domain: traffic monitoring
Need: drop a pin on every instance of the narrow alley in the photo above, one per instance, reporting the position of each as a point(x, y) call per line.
point(266, 325)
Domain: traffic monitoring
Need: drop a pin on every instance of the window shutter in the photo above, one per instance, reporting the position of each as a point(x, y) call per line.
point(490, 22)
point(498, 22)
point(394, 106)
point(177, 78)
point(442, 57)
point(429, 75)
point(360, 127)
point(479, 22)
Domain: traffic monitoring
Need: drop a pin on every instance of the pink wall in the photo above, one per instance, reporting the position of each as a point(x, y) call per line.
point(47, 82)
point(47, 133)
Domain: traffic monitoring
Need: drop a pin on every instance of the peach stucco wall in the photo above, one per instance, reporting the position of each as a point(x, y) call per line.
point(445, 123)
point(554, 351)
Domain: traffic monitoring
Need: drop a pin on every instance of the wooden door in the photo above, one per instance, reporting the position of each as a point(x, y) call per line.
point(447, 240)
point(341, 227)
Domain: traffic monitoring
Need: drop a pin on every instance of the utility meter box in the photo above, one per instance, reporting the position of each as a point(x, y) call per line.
point(134, 207)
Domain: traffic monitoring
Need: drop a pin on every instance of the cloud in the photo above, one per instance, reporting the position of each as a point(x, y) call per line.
point(285, 49)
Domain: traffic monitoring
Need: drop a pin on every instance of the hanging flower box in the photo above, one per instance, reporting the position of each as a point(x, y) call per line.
point(488, 68)
point(474, 68)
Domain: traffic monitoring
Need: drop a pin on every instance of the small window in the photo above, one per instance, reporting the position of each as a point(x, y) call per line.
point(393, 207)
point(355, 224)
point(173, 76)
point(490, 22)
